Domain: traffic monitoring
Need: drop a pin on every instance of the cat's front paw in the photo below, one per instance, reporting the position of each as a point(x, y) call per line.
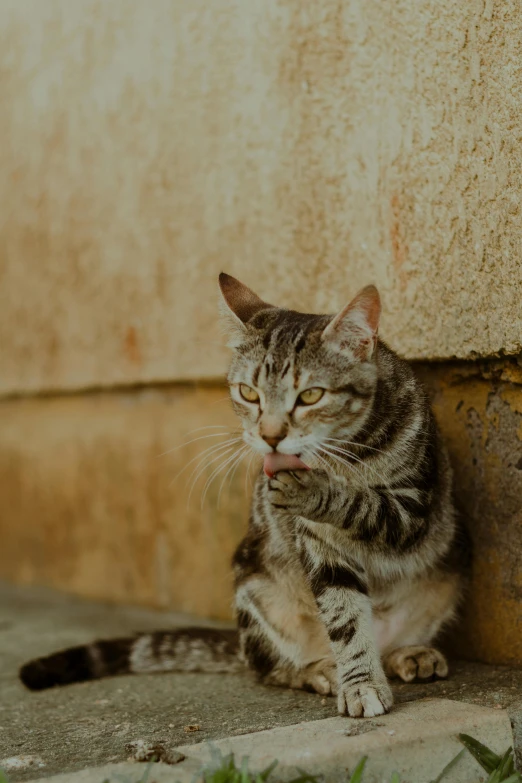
point(298, 491)
point(365, 700)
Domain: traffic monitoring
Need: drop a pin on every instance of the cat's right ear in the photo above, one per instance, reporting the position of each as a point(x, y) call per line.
point(238, 305)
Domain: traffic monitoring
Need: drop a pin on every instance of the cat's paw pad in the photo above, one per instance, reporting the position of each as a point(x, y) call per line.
point(416, 663)
point(365, 700)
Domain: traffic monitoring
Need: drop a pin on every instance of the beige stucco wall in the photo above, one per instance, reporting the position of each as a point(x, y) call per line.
point(307, 147)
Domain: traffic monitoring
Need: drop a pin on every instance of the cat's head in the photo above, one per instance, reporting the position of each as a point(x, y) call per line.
point(297, 380)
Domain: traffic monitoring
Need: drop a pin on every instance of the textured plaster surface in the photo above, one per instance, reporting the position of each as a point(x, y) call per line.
point(308, 148)
point(88, 724)
point(480, 412)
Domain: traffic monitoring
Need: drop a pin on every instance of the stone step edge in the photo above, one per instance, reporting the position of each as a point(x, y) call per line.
point(417, 740)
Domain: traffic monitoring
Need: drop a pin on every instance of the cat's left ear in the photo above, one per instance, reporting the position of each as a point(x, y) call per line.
point(354, 329)
point(239, 304)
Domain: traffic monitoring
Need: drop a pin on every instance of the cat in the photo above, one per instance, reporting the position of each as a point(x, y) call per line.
point(354, 558)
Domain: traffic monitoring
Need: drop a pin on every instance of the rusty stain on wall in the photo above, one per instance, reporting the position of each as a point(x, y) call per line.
point(147, 148)
point(481, 419)
point(131, 346)
point(400, 249)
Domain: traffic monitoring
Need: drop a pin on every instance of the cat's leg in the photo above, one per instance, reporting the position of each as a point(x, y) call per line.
point(281, 636)
point(339, 588)
point(345, 608)
point(282, 642)
point(408, 620)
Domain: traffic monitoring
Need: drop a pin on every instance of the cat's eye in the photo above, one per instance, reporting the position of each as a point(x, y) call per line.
point(310, 396)
point(248, 393)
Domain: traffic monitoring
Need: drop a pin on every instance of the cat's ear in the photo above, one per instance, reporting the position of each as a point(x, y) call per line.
point(238, 305)
point(354, 329)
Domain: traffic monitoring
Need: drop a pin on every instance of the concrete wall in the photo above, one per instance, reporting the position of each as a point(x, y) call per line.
point(306, 147)
point(479, 408)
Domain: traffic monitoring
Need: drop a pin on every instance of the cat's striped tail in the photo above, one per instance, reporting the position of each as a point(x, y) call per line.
point(184, 650)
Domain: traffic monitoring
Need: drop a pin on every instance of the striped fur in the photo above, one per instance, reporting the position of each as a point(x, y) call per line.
point(348, 571)
point(183, 650)
point(351, 569)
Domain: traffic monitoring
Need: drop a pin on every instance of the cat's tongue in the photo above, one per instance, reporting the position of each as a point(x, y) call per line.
point(276, 461)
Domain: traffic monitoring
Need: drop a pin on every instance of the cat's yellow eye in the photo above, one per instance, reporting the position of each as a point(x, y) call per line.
point(248, 393)
point(310, 396)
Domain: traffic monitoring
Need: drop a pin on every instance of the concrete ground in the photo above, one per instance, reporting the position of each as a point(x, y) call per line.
point(89, 724)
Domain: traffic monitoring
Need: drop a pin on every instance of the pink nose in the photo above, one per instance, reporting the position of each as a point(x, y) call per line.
point(273, 440)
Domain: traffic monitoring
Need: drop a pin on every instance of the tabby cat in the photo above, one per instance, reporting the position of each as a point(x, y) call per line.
point(353, 560)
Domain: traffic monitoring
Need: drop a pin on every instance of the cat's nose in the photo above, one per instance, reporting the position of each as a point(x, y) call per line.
point(273, 440)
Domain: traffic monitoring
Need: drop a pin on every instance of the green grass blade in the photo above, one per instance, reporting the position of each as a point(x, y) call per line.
point(304, 777)
point(359, 769)
point(515, 778)
point(3, 777)
point(505, 767)
point(244, 777)
point(485, 757)
point(449, 766)
point(268, 771)
point(395, 778)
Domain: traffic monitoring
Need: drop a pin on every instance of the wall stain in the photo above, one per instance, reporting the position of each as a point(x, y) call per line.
point(481, 421)
point(131, 346)
point(399, 246)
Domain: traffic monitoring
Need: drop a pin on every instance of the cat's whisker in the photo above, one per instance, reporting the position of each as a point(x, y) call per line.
point(202, 455)
point(201, 467)
point(347, 453)
point(404, 447)
point(200, 437)
point(361, 462)
point(358, 471)
point(345, 442)
point(323, 462)
point(248, 473)
point(344, 462)
point(351, 455)
point(230, 473)
point(405, 479)
point(245, 456)
point(309, 454)
point(208, 427)
point(222, 462)
point(215, 473)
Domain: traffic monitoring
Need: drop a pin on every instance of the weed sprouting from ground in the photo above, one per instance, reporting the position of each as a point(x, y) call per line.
point(501, 769)
point(223, 769)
